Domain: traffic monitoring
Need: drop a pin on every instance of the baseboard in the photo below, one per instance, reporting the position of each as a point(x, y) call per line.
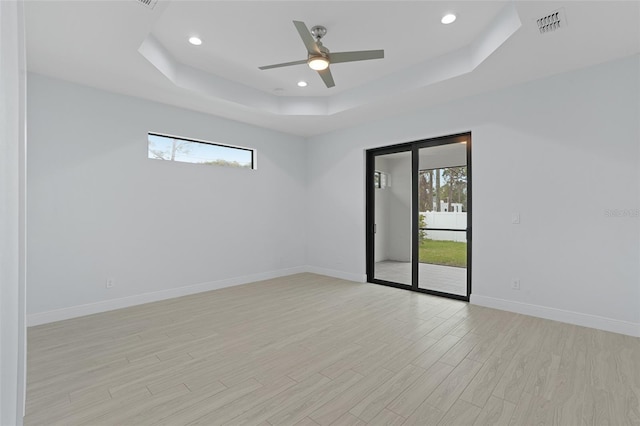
point(577, 318)
point(139, 299)
point(361, 278)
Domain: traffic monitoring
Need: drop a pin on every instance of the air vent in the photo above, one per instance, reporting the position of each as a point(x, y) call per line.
point(552, 22)
point(148, 3)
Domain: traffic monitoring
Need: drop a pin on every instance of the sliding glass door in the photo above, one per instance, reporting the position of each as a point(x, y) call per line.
point(419, 216)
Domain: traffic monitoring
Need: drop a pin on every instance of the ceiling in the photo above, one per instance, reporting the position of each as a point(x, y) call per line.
point(126, 47)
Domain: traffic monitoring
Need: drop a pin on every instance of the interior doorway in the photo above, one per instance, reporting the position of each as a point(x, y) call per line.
point(419, 216)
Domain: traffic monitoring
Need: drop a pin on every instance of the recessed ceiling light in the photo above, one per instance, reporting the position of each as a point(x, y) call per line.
point(302, 83)
point(448, 18)
point(195, 41)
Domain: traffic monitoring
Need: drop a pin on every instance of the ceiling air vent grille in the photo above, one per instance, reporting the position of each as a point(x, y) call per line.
point(553, 21)
point(148, 3)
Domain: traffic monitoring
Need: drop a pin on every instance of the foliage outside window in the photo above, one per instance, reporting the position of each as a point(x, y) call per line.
point(443, 189)
point(173, 148)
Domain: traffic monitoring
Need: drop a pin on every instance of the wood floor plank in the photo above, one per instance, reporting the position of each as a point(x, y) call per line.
point(461, 349)
point(485, 347)
point(482, 385)
point(446, 394)
point(193, 406)
point(294, 413)
point(535, 410)
point(460, 413)
point(435, 352)
point(418, 331)
point(306, 422)
point(241, 405)
point(348, 419)
point(412, 397)
point(514, 379)
point(425, 414)
point(387, 418)
point(408, 354)
point(289, 397)
point(371, 406)
point(382, 358)
point(353, 359)
point(128, 411)
point(340, 405)
point(497, 412)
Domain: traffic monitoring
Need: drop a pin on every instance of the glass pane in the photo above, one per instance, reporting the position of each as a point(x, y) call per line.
point(392, 250)
point(442, 198)
point(186, 151)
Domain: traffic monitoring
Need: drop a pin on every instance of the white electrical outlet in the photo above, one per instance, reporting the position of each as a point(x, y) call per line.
point(109, 283)
point(515, 284)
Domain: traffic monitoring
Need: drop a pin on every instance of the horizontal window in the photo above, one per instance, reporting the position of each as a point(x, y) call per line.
point(173, 148)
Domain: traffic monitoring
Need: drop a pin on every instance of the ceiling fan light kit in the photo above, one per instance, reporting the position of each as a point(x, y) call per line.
point(318, 63)
point(319, 58)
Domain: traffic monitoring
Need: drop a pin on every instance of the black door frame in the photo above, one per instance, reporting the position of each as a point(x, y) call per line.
point(414, 148)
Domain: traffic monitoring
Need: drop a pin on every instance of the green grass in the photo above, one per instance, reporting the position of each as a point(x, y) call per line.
point(448, 253)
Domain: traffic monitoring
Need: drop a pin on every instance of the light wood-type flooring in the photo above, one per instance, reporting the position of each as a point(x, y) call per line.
point(312, 350)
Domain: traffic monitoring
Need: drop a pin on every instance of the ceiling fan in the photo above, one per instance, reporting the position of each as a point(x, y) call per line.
point(319, 58)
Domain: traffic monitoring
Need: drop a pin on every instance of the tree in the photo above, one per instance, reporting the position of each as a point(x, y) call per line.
point(430, 201)
point(456, 186)
point(221, 162)
point(424, 191)
point(422, 223)
point(169, 152)
point(437, 190)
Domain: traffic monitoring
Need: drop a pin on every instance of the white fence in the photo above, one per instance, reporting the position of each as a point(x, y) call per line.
point(449, 220)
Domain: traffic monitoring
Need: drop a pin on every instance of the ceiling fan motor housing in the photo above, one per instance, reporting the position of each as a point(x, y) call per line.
point(318, 31)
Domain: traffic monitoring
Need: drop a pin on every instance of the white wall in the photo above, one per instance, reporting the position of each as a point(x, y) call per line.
point(393, 209)
point(382, 207)
point(12, 211)
point(559, 151)
point(400, 224)
point(99, 208)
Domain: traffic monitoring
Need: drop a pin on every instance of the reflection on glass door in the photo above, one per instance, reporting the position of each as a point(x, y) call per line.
point(442, 226)
point(419, 216)
point(392, 218)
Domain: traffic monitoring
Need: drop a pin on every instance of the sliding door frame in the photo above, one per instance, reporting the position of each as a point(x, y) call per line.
point(371, 211)
point(414, 148)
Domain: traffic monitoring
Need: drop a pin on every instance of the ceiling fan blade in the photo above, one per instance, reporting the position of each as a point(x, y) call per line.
point(284, 64)
point(306, 37)
point(360, 55)
point(327, 77)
